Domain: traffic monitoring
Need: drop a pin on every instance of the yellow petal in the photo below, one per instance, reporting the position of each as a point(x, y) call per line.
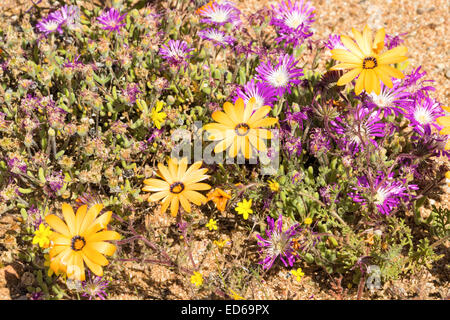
point(93, 255)
point(445, 131)
point(239, 109)
point(378, 43)
point(394, 55)
point(257, 142)
point(383, 77)
point(174, 206)
point(184, 203)
point(69, 217)
point(94, 267)
point(57, 224)
point(360, 41)
point(91, 214)
point(198, 186)
point(446, 108)
point(173, 168)
point(195, 197)
point(166, 202)
point(99, 223)
point(158, 196)
point(359, 86)
point(352, 46)
point(234, 148)
point(165, 174)
point(105, 248)
point(443, 121)
point(224, 144)
point(393, 72)
point(229, 109)
point(182, 166)
point(259, 114)
point(349, 76)
point(103, 236)
point(223, 118)
point(266, 122)
point(251, 105)
point(262, 133)
point(345, 56)
point(344, 66)
point(247, 148)
point(79, 218)
point(367, 37)
point(156, 185)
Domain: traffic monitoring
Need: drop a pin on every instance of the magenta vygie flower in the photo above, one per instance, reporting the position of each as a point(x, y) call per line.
point(94, 287)
point(422, 112)
point(262, 92)
point(219, 38)
point(363, 124)
point(277, 244)
point(391, 100)
point(334, 42)
point(176, 52)
point(293, 21)
point(68, 16)
point(388, 192)
point(112, 20)
point(220, 14)
point(281, 77)
point(391, 41)
point(49, 25)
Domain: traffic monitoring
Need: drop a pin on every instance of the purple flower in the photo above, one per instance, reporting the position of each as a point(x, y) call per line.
point(131, 93)
point(319, 143)
point(393, 41)
point(262, 92)
point(293, 20)
point(391, 100)
point(387, 193)
point(422, 113)
point(415, 84)
point(277, 244)
point(16, 166)
point(219, 38)
point(74, 63)
point(94, 287)
point(220, 14)
point(281, 77)
point(55, 181)
point(49, 25)
point(176, 52)
point(334, 42)
point(112, 20)
point(363, 124)
point(68, 16)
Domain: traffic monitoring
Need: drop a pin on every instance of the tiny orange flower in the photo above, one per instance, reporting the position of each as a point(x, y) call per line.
point(219, 197)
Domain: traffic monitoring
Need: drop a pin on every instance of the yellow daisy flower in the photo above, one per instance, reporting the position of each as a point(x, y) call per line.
point(78, 239)
point(178, 185)
point(364, 59)
point(238, 129)
point(445, 122)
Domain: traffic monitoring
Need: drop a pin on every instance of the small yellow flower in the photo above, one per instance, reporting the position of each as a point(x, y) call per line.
point(197, 279)
point(221, 243)
point(445, 123)
point(307, 221)
point(235, 296)
point(244, 208)
point(212, 225)
point(157, 116)
point(274, 186)
point(298, 274)
point(42, 236)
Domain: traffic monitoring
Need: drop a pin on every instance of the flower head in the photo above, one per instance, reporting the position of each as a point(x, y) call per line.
point(423, 112)
point(277, 244)
point(112, 20)
point(217, 37)
point(364, 59)
point(391, 100)
point(156, 115)
point(264, 94)
point(212, 225)
point(176, 52)
point(307, 221)
point(235, 296)
point(245, 208)
point(240, 129)
point(68, 16)
point(283, 76)
point(298, 274)
point(274, 186)
point(80, 240)
point(334, 42)
point(49, 25)
point(42, 236)
point(178, 185)
point(94, 287)
point(220, 198)
point(219, 14)
point(197, 279)
point(293, 21)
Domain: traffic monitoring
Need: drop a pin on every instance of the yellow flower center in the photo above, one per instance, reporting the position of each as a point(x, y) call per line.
point(370, 63)
point(242, 129)
point(177, 187)
point(78, 243)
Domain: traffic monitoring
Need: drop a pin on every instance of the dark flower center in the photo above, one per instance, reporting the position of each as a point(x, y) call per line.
point(78, 243)
point(242, 129)
point(177, 187)
point(370, 63)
